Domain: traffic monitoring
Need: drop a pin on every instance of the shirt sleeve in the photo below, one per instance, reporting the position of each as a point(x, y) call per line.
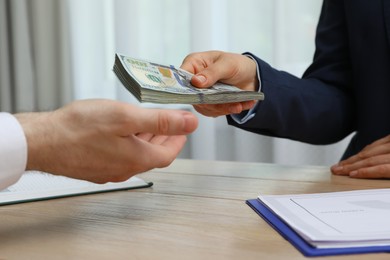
point(245, 116)
point(13, 150)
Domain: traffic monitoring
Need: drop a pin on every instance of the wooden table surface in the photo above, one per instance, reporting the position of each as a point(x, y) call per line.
point(195, 210)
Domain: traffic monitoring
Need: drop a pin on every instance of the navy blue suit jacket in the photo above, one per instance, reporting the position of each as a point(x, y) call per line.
point(347, 87)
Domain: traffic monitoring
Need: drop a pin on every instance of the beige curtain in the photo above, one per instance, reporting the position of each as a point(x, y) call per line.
point(34, 55)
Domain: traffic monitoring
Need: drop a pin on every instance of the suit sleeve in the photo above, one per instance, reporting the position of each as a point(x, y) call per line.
point(319, 107)
point(13, 150)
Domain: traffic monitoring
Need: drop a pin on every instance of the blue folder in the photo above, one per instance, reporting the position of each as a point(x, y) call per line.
point(296, 240)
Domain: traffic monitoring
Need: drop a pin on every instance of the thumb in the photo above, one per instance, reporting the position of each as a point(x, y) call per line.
point(206, 78)
point(166, 122)
point(217, 71)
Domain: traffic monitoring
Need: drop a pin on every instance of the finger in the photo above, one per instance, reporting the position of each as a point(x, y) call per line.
point(211, 110)
point(364, 154)
point(382, 148)
point(158, 139)
point(228, 108)
point(163, 122)
point(353, 159)
point(205, 112)
point(161, 155)
point(222, 109)
point(173, 144)
point(145, 136)
point(339, 167)
point(151, 138)
point(193, 63)
point(248, 104)
point(211, 74)
point(336, 170)
point(150, 155)
point(374, 172)
point(368, 162)
point(213, 68)
point(381, 141)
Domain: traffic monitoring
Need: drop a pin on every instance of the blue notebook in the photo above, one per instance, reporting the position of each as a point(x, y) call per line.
point(296, 240)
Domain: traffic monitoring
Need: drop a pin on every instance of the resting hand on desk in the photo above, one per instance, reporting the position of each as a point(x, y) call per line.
point(229, 68)
point(372, 162)
point(103, 140)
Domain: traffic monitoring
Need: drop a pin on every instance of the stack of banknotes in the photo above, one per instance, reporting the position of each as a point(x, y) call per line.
point(165, 84)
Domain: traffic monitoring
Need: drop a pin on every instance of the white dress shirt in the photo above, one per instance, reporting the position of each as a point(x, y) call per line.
point(13, 150)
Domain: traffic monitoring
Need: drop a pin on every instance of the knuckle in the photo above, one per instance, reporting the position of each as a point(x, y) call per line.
point(370, 161)
point(383, 168)
point(191, 57)
point(362, 155)
point(163, 123)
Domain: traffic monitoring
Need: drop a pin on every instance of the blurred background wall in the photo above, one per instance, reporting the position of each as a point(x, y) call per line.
point(56, 51)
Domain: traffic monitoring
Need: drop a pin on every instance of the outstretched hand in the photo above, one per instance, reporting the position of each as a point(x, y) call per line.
point(103, 140)
point(230, 68)
point(372, 162)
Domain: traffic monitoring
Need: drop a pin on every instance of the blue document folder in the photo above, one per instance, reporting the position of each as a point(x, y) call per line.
point(296, 240)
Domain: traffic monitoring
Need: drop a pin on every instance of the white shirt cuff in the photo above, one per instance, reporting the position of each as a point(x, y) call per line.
point(240, 118)
point(13, 150)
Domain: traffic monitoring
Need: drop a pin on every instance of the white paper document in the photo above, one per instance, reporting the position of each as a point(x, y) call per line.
point(35, 185)
point(337, 219)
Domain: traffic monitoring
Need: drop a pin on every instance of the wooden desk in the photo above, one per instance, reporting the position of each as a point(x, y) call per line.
point(195, 210)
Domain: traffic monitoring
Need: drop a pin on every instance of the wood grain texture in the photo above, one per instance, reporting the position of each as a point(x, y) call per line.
point(195, 210)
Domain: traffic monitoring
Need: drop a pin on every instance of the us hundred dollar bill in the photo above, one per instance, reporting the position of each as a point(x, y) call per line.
point(166, 84)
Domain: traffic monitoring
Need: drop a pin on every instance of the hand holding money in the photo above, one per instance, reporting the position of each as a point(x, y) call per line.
point(156, 83)
point(231, 68)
